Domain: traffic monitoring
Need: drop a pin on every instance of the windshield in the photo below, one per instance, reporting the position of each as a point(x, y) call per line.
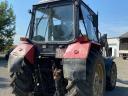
point(53, 24)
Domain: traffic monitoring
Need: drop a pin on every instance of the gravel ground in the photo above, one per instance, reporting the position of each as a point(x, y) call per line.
point(122, 79)
point(5, 90)
point(121, 89)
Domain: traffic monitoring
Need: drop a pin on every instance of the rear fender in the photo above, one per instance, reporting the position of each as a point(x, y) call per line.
point(74, 61)
point(21, 52)
point(77, 50)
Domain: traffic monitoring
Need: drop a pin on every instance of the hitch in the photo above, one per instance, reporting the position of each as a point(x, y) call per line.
point(60, 82)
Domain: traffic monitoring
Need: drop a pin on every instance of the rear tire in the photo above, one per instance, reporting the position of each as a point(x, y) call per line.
point(22, 81)
point(94, 85)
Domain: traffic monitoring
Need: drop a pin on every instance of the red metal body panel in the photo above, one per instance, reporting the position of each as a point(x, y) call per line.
point(25, 50)
point(78, 50)
point(30, 56)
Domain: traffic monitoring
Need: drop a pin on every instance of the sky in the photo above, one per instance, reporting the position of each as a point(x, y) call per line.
point(113, 16)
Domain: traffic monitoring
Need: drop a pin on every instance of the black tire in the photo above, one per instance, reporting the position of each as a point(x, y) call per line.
point(86, 87)
point(111, 82)
point(22, 81)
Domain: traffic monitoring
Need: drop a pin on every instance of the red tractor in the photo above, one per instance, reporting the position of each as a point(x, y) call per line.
point(62, 55)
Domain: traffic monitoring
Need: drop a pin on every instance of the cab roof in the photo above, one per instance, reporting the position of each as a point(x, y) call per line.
point(52, 1)
point(48, 1)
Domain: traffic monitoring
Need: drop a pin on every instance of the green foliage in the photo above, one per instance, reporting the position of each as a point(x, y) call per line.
point(7, 25)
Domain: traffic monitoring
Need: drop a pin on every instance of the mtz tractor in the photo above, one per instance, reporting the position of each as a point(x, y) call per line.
point(62, 54)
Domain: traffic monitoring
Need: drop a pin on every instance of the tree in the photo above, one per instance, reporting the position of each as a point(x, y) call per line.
point(7, 25)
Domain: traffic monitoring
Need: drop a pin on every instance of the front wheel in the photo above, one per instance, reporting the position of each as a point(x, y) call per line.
point(111, 82)
point(94, 85)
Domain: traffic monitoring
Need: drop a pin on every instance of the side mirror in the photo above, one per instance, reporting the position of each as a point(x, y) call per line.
point(103, 40)
point(103, 37)
point(30, 11)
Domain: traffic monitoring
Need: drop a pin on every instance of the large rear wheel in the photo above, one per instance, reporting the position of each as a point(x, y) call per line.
point(22, 81)
point(94, 85)
point(98, 84)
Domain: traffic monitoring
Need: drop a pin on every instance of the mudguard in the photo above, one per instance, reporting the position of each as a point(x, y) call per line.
point(22, 51)
point(77, 50)
point(74, 69)
point(74, 61)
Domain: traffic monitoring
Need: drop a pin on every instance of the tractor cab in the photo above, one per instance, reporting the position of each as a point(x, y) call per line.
point(62, 22)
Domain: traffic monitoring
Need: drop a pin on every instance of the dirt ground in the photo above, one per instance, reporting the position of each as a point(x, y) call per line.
point(5, 89)
point(121, 89)
point(122, 79)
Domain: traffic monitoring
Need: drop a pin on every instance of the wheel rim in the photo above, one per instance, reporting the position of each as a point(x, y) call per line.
point(98, 84)
point(113, 75)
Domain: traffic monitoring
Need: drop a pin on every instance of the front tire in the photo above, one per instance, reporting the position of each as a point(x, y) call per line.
point(111, 82)
point(94, 85)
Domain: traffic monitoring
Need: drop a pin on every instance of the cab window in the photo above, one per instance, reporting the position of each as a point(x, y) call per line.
point(82, 29)
point(88, 23)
